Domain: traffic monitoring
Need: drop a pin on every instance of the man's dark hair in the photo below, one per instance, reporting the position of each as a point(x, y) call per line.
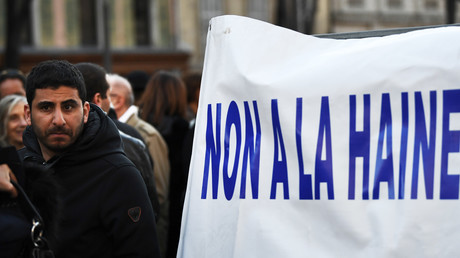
point(12, 74)
point(52, 74)
point(95, 81)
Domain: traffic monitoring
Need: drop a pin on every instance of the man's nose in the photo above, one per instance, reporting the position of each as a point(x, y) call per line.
point(58, 118)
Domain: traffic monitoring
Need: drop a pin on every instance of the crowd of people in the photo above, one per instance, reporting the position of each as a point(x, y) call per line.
point(103, 157)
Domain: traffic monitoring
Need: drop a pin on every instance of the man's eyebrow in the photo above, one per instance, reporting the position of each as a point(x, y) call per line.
point(44, 103)
point(50, 103)
point(69, 101)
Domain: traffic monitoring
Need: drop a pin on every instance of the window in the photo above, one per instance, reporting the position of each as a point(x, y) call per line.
point(80, 23)
point(163, 16)
point(58, 23)
point(121, 24)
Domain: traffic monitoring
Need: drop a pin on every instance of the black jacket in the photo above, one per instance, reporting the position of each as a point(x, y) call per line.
point(137, 152)
point(106, 209)
point(174, 129)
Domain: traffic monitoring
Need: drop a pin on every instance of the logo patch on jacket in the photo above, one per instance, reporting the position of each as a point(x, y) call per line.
point(135, 214)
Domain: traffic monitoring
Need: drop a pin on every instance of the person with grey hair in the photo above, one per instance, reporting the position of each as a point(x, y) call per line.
point(13, 122)
point(122, 98)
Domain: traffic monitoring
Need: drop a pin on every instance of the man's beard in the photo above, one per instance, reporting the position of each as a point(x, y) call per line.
point(62, 147)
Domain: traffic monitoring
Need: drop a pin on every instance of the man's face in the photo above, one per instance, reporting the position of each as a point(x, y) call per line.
point(105, 103)
point(57, 117)
point(117, 99)
point(10, 87)
point(115, 96)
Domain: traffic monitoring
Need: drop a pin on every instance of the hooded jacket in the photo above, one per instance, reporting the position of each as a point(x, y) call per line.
point(106, 210)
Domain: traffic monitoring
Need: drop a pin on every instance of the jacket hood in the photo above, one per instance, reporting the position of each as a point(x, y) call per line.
point(99, 137)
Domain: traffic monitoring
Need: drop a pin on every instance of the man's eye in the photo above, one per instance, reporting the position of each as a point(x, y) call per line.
point(45, 108)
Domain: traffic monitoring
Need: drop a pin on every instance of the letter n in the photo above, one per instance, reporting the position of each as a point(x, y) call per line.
point(251, 152)
point(427, 146)
point(212, 155)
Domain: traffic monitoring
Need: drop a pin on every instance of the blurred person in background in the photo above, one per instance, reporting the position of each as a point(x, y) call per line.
point(122, 98)
point(97, 92)
point(192, 83)
point(12, 81)
point(164, 105)
point(13, 122)
point(138, 79)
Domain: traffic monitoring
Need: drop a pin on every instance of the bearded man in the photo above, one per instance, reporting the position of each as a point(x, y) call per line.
point(106, 209)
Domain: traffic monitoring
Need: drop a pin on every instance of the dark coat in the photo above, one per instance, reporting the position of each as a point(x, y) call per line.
point(174, 130)
point(106, 209)
point(137, 152)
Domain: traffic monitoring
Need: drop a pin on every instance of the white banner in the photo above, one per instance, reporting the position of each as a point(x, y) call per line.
point(309, 147)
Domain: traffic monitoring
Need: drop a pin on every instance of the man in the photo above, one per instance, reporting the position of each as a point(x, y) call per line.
point(98, 93)
point(122, 99)
point(106, 210)
point(12, 82)
point(97, 89)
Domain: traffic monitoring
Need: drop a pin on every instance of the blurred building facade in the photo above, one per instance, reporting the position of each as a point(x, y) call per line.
point(324, 16)
point(361, 15)
point(171, 34)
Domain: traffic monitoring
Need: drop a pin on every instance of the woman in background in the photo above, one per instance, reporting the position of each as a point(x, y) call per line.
point(164, 105)
point(12, 121)
point(192, 82)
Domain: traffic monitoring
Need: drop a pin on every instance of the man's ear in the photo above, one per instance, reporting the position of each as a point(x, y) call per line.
point(97, 99)
point(86, 109)
point(27, 115)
